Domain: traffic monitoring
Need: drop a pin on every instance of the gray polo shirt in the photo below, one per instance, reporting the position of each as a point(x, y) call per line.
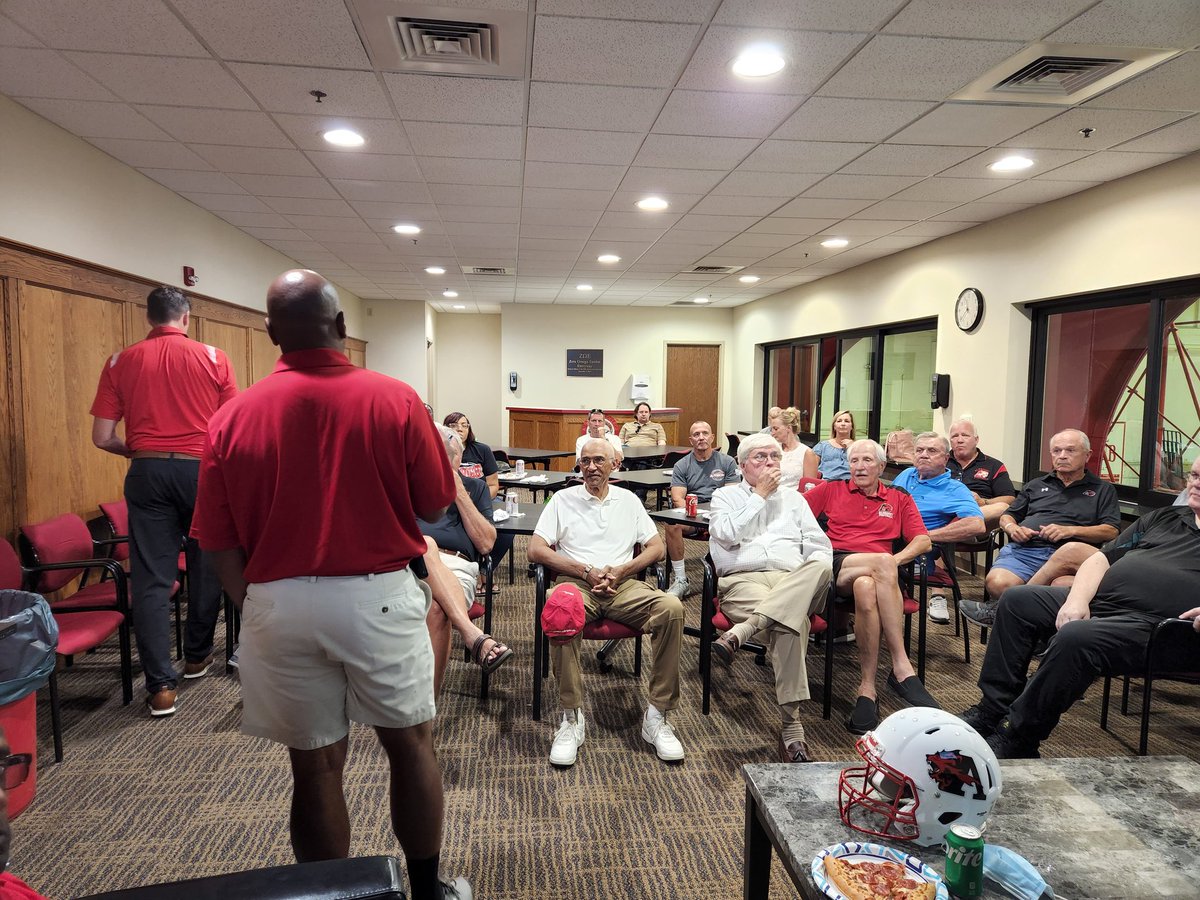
point(702, 478)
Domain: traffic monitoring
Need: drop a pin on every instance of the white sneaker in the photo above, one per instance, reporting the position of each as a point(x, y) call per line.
point(660, 733)
point(681, 588)
point(938, 611)
point(567, 740)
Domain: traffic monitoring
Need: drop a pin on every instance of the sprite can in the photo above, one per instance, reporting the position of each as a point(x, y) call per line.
point(964, 861)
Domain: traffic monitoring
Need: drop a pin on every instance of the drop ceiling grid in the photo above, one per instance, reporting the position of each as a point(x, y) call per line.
point(210, 98)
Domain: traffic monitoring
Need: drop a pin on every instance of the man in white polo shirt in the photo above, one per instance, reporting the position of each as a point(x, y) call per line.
point(586, 536)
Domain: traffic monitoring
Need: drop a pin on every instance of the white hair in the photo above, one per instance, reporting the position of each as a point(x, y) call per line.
point(756, 442)
point(1084, 440)
point(880, 453)
point(934, 436)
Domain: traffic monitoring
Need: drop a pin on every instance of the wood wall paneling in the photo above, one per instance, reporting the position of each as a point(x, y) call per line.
point(8, 451)
point(263, 356)
point(235, 341)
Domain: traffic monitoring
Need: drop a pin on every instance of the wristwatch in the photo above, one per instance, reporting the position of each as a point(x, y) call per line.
point(586, 569)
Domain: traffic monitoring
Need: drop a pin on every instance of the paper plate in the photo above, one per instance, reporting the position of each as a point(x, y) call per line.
point(859, 852)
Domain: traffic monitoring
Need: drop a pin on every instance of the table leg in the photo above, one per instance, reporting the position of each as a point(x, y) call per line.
point(756, 874)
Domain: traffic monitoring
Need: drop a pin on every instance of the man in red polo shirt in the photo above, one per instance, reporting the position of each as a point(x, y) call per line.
point(310, 489)
point(166, 388)
point(865, 517)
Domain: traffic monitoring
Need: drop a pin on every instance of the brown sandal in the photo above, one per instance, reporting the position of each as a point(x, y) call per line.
point(725, 647)
point(494, 658)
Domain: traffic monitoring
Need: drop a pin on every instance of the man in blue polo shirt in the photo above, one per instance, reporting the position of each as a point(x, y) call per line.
point(947, 508)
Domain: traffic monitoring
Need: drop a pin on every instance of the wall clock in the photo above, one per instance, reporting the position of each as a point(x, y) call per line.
point(968, 309)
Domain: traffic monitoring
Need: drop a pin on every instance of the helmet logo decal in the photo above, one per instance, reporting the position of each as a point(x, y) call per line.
point(954, 772)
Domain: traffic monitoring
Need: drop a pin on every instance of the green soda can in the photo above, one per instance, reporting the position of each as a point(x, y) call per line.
point(964, 861)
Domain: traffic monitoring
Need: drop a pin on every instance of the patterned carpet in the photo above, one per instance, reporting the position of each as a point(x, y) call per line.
point(138, 801)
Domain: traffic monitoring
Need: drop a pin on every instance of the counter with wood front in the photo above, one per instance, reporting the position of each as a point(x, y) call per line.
point(557, 429)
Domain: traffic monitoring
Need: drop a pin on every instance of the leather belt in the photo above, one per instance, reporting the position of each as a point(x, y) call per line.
point(163, 454)
point(455, 553)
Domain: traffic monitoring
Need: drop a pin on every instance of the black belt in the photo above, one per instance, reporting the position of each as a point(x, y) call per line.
point(163, 454)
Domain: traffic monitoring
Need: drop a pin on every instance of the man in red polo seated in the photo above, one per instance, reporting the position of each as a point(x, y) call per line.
point(14, 769)
point(864, 518)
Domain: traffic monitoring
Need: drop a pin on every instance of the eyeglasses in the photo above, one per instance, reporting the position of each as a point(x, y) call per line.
point(765, 457)
point(15, 769)
point(1193, 477)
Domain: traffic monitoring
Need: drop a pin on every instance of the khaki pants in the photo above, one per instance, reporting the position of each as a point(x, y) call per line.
point(640, 606)
point(787, 598)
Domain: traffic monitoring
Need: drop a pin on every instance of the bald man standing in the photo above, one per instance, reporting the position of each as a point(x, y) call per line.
point(311, 484)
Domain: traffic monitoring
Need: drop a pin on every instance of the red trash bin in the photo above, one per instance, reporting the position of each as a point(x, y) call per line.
point(19, 721)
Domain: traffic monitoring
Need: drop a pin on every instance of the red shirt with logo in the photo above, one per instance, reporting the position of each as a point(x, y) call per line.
point(861, 524)
point(166, 388)
point(321, 468)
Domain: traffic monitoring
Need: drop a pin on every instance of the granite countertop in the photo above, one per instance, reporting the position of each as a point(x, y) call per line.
point(1120, 828)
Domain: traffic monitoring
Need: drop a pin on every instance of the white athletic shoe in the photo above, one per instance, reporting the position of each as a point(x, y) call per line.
point(681, 588)
point(660, 733)
point(567, 739)
point(938, 611)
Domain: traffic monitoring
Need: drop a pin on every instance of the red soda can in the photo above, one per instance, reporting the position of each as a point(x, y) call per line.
point(690, 503)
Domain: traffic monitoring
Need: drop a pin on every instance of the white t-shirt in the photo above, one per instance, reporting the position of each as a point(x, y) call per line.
point(593, 531)
point(609, 436)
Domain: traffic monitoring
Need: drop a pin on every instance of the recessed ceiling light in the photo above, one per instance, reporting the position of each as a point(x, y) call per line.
point(1011, 164)
point(758, 62)
point(435, 270)
point(406, 229)
point(833, 243)
point(583, 287)
point(344, 137)
point(449, 293)
point(748, 279)
point(459, 306)
point(652, 204)
point(608, 258)
point(701, 299)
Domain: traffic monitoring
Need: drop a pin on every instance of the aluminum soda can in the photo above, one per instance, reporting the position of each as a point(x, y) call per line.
point(510, 503)
point(690, 502)
point(520, 467)
point(964, 861)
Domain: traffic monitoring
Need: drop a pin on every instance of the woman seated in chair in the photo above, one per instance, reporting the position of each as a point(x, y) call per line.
point(798, 461)
point(478, 461)
point(832, 453)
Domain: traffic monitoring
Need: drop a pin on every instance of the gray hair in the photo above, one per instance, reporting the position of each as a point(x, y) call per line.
point(1083, 438)
point(754, 442)
point(450, 439)
point(880, 453)
point(934, 436)
point(965, 421)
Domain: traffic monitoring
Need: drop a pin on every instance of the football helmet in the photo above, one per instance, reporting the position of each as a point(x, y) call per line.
point(925, 771)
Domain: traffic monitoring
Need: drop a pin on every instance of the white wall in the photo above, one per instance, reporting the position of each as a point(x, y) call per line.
point(468, 372)
point(1145, 227)
point(396, 334)
point(59, 193)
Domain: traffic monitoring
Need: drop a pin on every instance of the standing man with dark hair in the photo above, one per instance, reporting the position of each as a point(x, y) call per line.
point(310, 490)
point(166, 388)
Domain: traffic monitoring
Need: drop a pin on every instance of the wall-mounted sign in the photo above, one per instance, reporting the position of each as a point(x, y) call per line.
point(585, 363)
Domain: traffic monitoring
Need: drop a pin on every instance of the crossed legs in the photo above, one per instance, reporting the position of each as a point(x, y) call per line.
point(872, 580)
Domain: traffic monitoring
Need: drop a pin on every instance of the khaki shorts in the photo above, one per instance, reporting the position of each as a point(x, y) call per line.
point(318, 652)
point(466, 572)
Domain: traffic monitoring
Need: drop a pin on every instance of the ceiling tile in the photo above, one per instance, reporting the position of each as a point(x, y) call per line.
point(1020, 20)
point(632, 219)
point(446, 170)
point(1163, 23)
point(811, 15)
point(1109, 165)
point(90, 119)
point(170, 80)
point(605, 233)
point(626, 201)
point(737, 206)
point(304, 206)
point(276, 234)
point(567, 145)
point(908, 159)
point(464, 141)
point(1039, 191)
point(477, 194)
point(227, 202)
point(535, 198)
point(843, 119)
point(793, 224)
point(731, 224)
point(665, 150)
point(598, 51)
point(1182, 137)
point(764, 184)
point(31, 72)
point(1171, 85)
point(911, 210)
point(602, 107)
point(118, 26)
point(667, 181)
point(152, 154)
point(255, 219)
point(13, 35)
point(860, 187)
point(197, 182)
point(812, 56)
point(273, 31)
point(580, 232)
point(649, 10)
point(809, 208)
point(915, 68)
point(766, 242)
point(981, 211)
point(286, 89)
point(818, 157)
point(1112, 126)
point(381, 135)
point(365, 166)
point(476, 213)
point(1044, 161)
point(234, 128)
point(860, 228)
point(712, 113)
point(347, 224)
point(973, 124)
point(365, 189)
point(479, 101)
point(572, 175)
point(961, 190)
point(285, 186)
point(935, 229)
point(255, 160)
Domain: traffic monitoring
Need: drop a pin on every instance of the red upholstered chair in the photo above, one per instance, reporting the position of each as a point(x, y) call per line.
point(807, 484)
point(612, 426)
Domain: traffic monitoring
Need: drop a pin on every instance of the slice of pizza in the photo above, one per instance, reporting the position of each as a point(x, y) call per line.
point(914, 889)
point(850, 879)
point(868, 880)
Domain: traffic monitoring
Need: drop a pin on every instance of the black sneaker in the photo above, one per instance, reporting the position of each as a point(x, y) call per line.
point(982, 721)
point(1006, 744)
point(865, 716)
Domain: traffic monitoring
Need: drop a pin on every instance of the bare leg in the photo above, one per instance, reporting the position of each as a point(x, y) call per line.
point(675, 542)
point(1064, 563)
point(1000, 580)
point(415, 794)
point(866, 632)
point(878, 610)
point(439, 638)
point(320, 824)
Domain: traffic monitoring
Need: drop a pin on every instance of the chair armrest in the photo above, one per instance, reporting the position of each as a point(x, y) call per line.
point(1174, 647)
point(109, 565)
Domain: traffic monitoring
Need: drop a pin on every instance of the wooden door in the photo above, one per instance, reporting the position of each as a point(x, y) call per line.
point(693, 384)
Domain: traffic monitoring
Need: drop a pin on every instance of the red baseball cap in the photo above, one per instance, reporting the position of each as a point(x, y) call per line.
point(563, 615)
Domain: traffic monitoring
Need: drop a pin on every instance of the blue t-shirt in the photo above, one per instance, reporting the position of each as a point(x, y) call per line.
point(939, 499)
point(834, 465)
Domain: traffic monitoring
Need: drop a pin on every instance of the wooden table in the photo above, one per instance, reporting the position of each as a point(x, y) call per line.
point(532, 455)
point(1120, 828)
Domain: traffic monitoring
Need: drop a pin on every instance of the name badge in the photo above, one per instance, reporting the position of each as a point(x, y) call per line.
point(885, 511)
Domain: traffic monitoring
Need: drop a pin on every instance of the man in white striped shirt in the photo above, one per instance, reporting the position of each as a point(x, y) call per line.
point(774, 565)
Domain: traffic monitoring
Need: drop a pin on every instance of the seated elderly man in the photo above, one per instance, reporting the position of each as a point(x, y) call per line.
point(947, 508)
point(454, 545)
point(774, 564)
point(985, 476)
point(1100, 625)
point(865, 517)
point(1067, 504)
point(587, 535)
point(700, 472)
point(597, 427)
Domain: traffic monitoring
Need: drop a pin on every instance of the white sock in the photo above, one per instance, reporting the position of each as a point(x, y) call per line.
point(652, 714)
point(677, 568)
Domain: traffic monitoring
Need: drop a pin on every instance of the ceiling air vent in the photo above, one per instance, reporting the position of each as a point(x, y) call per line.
point(488, 270)
point(1061, 74)
point(410, 37)
point(714, 270)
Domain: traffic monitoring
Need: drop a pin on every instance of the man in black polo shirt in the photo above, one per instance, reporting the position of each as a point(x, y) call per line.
point(1067, 504)
point(984, 475)
point(1099, 626)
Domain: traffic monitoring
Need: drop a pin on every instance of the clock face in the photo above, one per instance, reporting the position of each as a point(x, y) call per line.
point(968, 310)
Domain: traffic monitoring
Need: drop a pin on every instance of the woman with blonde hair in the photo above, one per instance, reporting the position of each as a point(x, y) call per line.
point(832, 453)
point(798, 461)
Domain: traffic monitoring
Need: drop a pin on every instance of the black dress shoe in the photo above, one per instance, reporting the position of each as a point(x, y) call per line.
point(1007, 744)
point(795, 752)
point(982, 721)
point(864, 717)
point(911, 691)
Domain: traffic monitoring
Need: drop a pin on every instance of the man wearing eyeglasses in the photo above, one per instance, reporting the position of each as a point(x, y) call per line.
point(774, 564)
point(15, 769)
